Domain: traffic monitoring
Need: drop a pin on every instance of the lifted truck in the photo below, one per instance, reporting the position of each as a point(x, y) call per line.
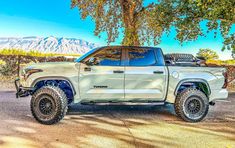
point(121, 74)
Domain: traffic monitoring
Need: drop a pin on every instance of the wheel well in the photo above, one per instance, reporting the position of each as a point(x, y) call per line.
point(198, 85)
point(62, 84)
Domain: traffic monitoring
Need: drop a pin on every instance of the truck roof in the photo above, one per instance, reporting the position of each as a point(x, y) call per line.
point(103, 47)
point(117, 46)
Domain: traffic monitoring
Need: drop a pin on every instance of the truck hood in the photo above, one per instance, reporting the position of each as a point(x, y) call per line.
point(47, 64)
point(52, 68)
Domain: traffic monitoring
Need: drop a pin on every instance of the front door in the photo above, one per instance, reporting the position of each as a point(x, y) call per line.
point(145, 76)
point(101, 76)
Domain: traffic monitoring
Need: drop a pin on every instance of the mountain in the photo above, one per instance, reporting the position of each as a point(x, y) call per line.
point(48, 44)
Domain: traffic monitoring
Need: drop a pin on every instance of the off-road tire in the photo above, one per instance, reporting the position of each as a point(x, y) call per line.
point(181, 104)
point(58, 100)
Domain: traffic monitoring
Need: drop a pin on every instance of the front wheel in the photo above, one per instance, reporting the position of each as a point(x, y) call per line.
point(49, 105)
point(191, 105)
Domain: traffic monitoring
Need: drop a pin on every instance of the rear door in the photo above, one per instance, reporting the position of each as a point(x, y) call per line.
point(145, 75)
point(102, 76)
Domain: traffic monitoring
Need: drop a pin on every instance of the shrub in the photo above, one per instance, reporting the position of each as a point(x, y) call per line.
point(2, 62)
point(7, 68)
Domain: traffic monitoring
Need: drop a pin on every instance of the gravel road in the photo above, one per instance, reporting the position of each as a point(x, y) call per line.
point(114, 126)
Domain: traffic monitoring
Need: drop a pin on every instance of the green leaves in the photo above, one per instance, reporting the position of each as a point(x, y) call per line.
point(208, 54)
point(219, 15)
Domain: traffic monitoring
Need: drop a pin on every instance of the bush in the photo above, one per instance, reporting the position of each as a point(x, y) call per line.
point(221, 63)
point(8, 66)
point(6, 70)
point(32, 53)
point(2, 62)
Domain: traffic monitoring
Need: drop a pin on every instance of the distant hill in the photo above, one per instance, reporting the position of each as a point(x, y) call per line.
point(48, 44)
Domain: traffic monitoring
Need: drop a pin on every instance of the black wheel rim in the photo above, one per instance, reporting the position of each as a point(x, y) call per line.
point(45, 107)
point(194, 107)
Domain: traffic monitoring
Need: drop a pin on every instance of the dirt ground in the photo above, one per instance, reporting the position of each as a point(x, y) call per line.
point(114, 126)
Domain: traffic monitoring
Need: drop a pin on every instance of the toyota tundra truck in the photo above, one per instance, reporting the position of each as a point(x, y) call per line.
point(121, 75)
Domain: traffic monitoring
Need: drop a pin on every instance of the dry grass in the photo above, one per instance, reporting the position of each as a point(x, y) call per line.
point(7, 82)
point(231, 87)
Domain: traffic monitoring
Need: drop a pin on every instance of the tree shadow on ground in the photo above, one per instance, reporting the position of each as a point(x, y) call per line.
point(114, 126)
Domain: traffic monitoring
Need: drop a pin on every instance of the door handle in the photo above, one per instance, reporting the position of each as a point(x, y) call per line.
point(118, 71)
point(158, 72)
point(87, 69)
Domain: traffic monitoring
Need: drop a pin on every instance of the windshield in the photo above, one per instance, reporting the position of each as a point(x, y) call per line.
point(86, 54)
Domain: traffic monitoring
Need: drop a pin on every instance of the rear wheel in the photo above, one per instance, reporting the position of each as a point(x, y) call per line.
point(49, 105)
point(191, 105)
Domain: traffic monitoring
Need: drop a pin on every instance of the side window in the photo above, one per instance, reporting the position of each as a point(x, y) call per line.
point(106, 57)
point(141, 57)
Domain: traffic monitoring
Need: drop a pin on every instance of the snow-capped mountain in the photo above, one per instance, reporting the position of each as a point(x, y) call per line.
point(48, 44)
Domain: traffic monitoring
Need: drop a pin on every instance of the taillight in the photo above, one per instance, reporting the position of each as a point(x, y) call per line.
point(225, 74)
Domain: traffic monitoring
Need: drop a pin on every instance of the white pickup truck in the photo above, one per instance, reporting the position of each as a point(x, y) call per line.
point(121, 74)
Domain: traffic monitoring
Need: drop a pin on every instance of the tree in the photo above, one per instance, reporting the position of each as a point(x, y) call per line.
point(208, 54)
point(146, 23)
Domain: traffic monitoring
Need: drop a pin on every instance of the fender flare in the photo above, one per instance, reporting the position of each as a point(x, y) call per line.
point(54, 78)
point(192, 81)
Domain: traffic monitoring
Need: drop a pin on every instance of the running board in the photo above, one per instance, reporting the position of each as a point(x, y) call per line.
point(122, 103)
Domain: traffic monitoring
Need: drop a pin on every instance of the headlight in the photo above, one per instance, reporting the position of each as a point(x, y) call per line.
point(29, 71)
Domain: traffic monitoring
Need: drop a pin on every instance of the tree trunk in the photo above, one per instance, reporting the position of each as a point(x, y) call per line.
point(131, 36)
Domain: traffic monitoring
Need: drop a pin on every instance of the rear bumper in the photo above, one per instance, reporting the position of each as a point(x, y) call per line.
point(22, 91)
point(217, 95)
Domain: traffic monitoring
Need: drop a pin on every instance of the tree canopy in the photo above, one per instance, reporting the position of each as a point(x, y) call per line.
point(146, 23)
point(208, 54)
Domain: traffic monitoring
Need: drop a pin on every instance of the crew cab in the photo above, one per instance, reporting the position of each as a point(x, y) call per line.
point(121, 74)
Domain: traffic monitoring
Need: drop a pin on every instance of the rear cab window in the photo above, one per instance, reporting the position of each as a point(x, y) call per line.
point(141, 57)
point(144, 57)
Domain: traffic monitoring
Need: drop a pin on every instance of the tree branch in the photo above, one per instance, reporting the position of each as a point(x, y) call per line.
point(143, 9)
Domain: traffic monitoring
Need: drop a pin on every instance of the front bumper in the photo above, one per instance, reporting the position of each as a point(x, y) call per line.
point(22, 91)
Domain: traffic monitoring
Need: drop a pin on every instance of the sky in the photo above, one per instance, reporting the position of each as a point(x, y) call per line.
point(43, 18)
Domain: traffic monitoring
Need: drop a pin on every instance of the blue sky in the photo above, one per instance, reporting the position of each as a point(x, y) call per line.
point(20, 18)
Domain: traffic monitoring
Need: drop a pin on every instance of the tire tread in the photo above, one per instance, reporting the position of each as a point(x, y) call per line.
point(182, 96)
point(60, 98)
